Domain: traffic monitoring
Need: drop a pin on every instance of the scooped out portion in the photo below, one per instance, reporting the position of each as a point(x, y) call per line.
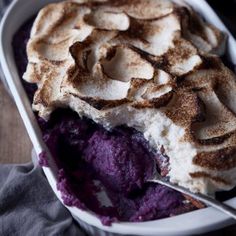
point(107, 171)
point(121, 159)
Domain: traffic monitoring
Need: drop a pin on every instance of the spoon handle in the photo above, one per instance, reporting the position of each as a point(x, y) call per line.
point(203, 198)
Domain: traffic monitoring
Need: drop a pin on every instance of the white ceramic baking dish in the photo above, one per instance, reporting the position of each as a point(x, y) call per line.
point(195, 222)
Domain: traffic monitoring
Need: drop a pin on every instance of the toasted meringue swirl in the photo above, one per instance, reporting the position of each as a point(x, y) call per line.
point(150, 64)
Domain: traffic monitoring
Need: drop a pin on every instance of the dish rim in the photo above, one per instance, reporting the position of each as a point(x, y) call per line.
point(197, 221)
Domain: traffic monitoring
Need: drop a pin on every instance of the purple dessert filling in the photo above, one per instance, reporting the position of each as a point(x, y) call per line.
point(93, 160)
point(120, 159)
point(43, 159)
point(99, 170)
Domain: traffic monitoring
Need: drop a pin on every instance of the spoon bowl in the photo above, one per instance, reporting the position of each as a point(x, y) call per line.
point(208, 200)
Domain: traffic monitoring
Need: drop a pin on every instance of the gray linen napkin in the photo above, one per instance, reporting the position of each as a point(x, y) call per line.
point(28, 206)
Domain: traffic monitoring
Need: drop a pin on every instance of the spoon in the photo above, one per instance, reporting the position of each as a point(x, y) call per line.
point(203, 198)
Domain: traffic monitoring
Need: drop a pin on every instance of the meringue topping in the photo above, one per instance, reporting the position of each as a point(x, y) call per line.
point(127, 64)
point(150, 64)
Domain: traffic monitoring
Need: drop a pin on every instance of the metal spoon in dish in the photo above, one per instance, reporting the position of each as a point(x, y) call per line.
point(203, 198)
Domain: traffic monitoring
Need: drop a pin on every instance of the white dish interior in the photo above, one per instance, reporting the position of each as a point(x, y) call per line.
point(198, 221)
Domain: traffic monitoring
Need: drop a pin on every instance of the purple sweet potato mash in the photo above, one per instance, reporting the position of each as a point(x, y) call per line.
point(118, 162)
point(120, 159)
point(43, 159)
point(93, 161)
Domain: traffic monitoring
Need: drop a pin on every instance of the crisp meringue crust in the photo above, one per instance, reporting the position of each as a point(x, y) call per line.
point(152, 65)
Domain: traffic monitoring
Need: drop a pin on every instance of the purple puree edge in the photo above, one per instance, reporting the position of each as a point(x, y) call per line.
point(91, 159)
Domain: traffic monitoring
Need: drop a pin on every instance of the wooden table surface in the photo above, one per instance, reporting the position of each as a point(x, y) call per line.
point(15, 145)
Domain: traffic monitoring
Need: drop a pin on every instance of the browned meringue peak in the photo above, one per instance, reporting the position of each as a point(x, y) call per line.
point(97, 87)
point(145, 10)
point(214, 86)
point(108, 19)
point(215, 75)
point(87, 1)
point(139, 9)
point(87, 53)
point(124, 64)
point(48, 94)
point(97, 76)
point(204, 36)
point(156, 92)
point(154, 37)
point(218, 120)
point(56, 23)
point(182, 58)
point(48, 47)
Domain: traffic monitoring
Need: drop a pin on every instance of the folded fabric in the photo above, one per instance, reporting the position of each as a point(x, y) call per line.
point(28, 206)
